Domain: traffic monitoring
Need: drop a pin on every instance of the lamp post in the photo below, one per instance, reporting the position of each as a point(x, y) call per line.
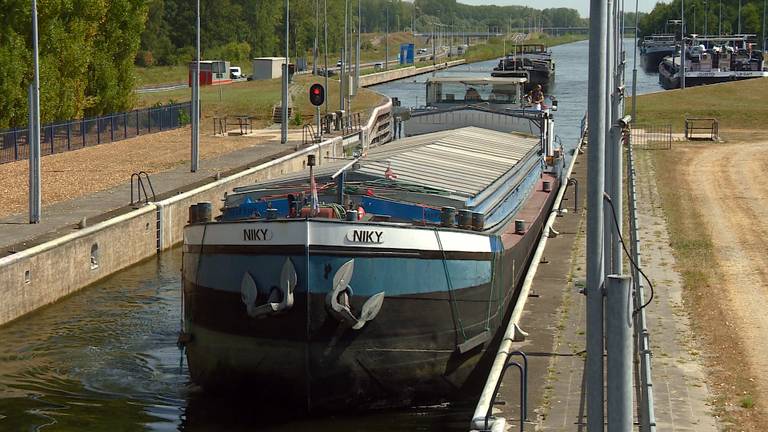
point(284, 123)
point(33, 137)
point(195, 157)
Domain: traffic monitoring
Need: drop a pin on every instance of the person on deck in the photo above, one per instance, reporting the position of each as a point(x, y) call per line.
point(536, 97)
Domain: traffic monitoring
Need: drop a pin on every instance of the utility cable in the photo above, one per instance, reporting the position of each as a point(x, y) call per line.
point(629, 256)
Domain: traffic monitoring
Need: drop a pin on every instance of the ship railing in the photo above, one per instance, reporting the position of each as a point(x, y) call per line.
point(642, 335)
point(482, 420)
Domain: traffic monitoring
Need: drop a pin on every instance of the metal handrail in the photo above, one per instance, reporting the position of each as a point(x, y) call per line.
point(642, 335)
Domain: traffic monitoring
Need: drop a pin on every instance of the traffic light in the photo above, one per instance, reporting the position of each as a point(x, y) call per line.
point(317, 94)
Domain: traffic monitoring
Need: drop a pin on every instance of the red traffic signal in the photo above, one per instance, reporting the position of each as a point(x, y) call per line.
point(317, 94)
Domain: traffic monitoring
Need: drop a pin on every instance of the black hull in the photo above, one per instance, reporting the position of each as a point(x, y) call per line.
point(407, 355)
point(651, 61)
point(670, 83)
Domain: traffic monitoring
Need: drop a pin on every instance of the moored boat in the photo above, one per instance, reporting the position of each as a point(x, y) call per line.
point(533, 62)
point(378, 281)
point(714, 59)
point(654, 48)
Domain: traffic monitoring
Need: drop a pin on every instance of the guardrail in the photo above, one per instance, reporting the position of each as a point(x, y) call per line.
point(76, 134)
point(481, 419)
point(642, 335)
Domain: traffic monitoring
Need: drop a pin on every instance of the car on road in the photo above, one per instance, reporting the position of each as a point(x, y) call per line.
point(421, 51)
point(323, 72)
point(235, 72)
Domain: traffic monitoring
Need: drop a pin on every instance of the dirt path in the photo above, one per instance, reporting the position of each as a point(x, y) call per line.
point(727, 182)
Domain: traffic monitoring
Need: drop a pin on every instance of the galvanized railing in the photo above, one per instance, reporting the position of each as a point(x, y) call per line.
point(652, 136)
point(642, 336)
point(77, 134)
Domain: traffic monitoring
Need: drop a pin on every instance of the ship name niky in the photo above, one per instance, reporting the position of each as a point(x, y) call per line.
point(365, 236)
point(256, 234)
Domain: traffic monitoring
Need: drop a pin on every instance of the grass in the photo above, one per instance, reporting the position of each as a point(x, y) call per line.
point(736, 105)
point(256, 99)
point(747, 402)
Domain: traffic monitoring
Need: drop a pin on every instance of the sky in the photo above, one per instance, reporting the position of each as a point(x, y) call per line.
point(580, 5)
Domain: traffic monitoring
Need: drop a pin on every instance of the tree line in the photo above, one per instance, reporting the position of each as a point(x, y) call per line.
point(712, 15)
point(87, 52)
point(89, 48)
point(239, 29)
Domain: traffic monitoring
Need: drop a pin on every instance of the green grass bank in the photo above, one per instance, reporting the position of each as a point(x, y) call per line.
point(736, 105)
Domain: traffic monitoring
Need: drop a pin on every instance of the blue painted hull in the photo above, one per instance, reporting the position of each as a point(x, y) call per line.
point(408, 354)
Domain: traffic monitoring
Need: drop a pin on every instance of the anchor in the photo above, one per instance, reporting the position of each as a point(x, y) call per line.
point(280, 297)
point(337, 300)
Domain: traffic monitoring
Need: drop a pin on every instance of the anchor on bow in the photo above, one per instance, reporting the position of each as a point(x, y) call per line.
point(337, 300)
point(280, 297)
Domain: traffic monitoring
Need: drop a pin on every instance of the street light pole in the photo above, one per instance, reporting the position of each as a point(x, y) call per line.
point(195, 157)
point(284, 123)
point(682, 44)
point(739, 17)
point(386, 40)
point(325, 42)
point(33, 137)
point(357, 48)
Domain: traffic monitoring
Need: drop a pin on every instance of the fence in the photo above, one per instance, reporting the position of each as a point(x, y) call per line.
point(76, 134)
point(646, 410)
point(652, 137)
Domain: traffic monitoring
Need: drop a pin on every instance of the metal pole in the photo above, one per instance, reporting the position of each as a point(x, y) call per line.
point(609, 136)
point(682, 44)
point(720, 20)
point(33, 137)
point(342, 74)
point(634, 69)
point(325, 42)
point(615, 187)
point(357, 48)
point(739, 32)
point(284, 107)
point(598, 27)
point(317, 32)
point(195, 157)
point(618, 328)
point(762, 41)
point(386, 41)
point(706, 16)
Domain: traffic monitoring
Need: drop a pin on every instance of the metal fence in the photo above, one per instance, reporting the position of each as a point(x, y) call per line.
point(652, 136)
point(646, 410)
point(76, 134)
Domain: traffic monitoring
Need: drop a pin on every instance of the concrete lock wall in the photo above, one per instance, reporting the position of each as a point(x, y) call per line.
point(396, 74)
point(45, 273)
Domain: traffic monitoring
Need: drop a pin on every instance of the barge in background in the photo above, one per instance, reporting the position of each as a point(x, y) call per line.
point(654, 48)
point(375, 282)
point(714, 59)
point(533, 62)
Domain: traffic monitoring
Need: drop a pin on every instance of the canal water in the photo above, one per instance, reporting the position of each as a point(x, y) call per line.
point(105, 358)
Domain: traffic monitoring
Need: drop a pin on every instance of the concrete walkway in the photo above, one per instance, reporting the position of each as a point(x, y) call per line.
point(61, 218)
point(555, 320)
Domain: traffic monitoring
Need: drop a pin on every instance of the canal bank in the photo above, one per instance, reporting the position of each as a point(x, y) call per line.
point(59, 260)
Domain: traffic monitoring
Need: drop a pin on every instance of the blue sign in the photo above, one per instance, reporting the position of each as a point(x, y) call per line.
point(406, 54)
